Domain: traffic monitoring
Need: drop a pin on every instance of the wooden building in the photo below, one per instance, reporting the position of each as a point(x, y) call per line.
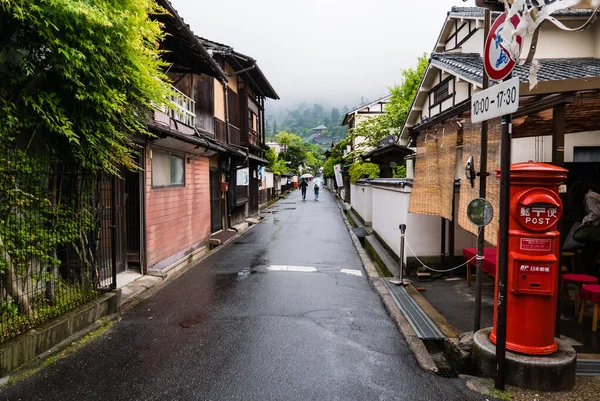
point(198, 172)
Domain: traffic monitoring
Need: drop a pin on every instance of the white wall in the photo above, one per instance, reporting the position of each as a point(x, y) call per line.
point(474, 44)
point(556, 43)
point(269, 179)
point(390, 209)
point(361, 200)
point(423, 233)
point(539, 149)
point(571, 44)
point(591, 138)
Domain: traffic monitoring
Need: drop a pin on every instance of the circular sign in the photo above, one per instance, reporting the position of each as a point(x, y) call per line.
point(496, 59)
point(480, 212)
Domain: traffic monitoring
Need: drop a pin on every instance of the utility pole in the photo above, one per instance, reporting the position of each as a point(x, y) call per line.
point(482, 190)
point(505, 154)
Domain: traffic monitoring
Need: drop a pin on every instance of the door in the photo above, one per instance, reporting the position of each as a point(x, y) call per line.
point(253, 189)
point(133, 218)
point(215, 201)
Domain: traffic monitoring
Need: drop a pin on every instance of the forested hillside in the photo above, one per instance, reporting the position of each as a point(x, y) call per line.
point(303, 118)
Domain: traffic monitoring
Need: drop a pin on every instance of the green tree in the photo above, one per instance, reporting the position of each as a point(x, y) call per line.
point(363, 170)
point(404, 94)
point(286, 139)
point(295, 155)
point(271, 156)
point(80, 75)
point(79, 78)
point(391, 122)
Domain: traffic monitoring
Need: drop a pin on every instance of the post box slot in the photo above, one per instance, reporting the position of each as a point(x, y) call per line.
point(539, 198)
point(533, 275)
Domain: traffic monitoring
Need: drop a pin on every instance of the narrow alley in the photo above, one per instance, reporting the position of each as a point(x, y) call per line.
point(284, 312)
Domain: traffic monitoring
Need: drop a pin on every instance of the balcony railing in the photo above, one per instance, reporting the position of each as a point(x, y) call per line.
point(185, 108)
point(253, 138)
point(234, 133)
point(221, 132)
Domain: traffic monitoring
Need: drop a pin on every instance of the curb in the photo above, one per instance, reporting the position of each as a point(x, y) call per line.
point(173, 274)
point(415, 344)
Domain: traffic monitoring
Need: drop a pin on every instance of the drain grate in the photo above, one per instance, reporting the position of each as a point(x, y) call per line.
point(422, 324)
point(588, 367)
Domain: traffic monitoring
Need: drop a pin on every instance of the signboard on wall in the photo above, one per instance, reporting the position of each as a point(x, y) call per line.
point(337, 169)
point(243, 177)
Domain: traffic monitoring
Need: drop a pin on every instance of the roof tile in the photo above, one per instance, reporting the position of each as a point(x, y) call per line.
point(470, 66)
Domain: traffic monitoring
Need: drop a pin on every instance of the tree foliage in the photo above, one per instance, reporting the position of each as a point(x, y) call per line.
point(304, 117)
point(79, 76)
point(363, 170)
point(391, 122)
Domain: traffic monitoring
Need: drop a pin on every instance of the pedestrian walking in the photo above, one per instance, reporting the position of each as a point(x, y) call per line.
point(303, 186)
point(316, 189)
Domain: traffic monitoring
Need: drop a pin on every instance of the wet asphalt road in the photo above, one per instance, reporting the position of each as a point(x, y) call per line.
point(255, 334)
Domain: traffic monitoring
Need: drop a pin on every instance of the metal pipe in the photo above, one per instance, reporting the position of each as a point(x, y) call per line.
point(402, 234)
point(226, 97)
point(443, 244)
point(505, 154)
point(482, 192)
point(113, 207)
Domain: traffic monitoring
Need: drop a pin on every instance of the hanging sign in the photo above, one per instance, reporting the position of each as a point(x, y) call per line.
point(497, 60)
point(337, 169)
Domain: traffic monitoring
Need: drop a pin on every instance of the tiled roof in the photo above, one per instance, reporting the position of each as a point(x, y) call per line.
point(477, 12)
point(470, 66)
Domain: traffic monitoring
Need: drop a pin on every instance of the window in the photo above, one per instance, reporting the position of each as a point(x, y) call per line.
point(440, 93)
point(167, 170)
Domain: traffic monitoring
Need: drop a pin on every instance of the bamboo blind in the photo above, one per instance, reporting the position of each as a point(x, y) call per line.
point(472, 147)
point(433, 184)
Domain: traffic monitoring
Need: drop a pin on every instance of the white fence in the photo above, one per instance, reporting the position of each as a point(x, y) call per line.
point(384, 204)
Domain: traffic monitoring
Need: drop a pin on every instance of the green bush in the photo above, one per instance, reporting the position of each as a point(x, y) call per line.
point(363, 170)
point(399, 171)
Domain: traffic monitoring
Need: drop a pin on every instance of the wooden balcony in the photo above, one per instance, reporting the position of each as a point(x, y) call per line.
point(221, 132)
point(185, 108)
point(253, 138)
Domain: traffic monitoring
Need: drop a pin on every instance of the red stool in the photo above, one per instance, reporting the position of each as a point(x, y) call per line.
point(579, 280)
point(590, 292)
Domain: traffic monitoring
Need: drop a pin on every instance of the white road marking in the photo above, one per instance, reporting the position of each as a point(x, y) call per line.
point(302, 269)
point(352, 272)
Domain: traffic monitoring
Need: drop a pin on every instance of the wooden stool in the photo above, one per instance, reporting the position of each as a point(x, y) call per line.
point(590, 292)
point(579, 280)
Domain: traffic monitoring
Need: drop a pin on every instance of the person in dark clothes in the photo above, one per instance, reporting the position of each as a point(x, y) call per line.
point(316, 189)
point(303, 186)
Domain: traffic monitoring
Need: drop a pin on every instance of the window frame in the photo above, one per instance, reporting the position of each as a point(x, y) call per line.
point(169, 154)
point(437, 97)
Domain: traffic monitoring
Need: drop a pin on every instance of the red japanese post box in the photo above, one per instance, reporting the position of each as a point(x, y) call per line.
point(533, 252)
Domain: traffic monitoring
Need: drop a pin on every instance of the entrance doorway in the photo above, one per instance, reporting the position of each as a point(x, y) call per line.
point(216, 204)
point(133, 219)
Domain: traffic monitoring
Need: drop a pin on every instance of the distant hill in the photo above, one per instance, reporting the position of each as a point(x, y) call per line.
point(302, 119)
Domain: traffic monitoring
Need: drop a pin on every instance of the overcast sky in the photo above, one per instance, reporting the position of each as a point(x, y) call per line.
point(328, 51)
